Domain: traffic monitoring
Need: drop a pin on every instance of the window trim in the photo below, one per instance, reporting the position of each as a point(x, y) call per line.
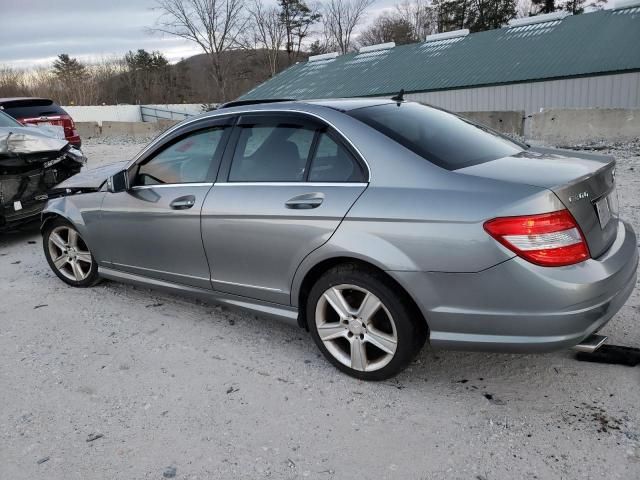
point(312, 155)
point(134, 170)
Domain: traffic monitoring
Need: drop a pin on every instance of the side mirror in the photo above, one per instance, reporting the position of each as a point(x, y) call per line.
point(118, 182)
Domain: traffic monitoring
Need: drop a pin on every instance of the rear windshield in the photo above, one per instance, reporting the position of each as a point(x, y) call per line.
point(31, 108)
point(7, 121)
point(442, 138)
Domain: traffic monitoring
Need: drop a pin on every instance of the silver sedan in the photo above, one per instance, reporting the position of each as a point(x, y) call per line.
point(375, 224)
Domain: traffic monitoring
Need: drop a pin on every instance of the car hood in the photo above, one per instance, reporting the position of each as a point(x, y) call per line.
point(92, 178)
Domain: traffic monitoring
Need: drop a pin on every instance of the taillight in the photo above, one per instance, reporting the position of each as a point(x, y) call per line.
point(549, 239)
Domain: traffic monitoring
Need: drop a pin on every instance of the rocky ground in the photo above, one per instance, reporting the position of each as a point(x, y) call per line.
point(124, 382)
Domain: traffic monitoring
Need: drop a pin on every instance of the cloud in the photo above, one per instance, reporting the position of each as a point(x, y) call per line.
point(35, 31)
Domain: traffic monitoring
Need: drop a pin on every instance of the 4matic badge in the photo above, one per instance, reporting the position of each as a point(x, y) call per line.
point(578, 196)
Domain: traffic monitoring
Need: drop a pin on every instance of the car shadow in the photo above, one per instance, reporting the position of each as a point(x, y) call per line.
point(480, 373)
point(22, 234)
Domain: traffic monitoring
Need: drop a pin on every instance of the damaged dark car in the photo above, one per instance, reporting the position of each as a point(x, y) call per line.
point(31, 163)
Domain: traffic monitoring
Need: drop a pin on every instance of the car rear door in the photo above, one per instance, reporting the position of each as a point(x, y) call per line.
point(282, 191)
point(153, 229)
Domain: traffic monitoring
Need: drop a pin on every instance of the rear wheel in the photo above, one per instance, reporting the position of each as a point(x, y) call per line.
point(362, 324)
point(68, 255)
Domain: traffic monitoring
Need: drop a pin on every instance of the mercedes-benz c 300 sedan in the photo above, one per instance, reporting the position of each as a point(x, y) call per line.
point(375, 224)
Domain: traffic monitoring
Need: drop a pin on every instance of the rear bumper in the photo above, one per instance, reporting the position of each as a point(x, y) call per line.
point(520, 307)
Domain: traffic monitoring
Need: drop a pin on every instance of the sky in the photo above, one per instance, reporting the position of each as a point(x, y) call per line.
point(34, 32)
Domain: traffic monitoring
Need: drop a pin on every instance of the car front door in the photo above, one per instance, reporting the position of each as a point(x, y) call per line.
point(281, 193)
point(153, 229)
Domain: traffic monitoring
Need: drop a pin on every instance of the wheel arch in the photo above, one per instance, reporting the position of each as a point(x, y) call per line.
point(66, 210)
point(47, 217)
point(315, 272)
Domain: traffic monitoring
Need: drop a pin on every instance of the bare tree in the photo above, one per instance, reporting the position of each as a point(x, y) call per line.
point(388, 28)
point(267, 35)
point(214, 25)
point(421, 15)
point(341, 17)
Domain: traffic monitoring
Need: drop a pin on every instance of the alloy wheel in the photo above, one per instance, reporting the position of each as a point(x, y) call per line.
point(356, 327)
point(69, 253)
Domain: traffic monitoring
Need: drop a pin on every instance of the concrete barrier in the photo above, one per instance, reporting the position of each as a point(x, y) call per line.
point(570, 127)
point(511, 123)
point(88, 129)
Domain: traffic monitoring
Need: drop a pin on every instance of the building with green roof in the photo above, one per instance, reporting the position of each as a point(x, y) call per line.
point(549, 61)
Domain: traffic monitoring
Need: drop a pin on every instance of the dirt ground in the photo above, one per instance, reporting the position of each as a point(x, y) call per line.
point(174, 388)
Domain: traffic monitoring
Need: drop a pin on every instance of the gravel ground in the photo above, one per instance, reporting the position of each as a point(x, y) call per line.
point(124, 382)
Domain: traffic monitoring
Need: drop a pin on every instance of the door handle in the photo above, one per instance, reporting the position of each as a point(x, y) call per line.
point(306, 201)
point(183, 203)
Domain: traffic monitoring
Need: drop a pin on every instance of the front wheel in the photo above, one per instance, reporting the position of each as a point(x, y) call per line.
point(68, 254)
point(362, 324)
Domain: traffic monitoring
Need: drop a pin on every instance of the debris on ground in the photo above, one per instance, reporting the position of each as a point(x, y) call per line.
point(493, 400)
point(169, 472)
point(94, 436)
point(42, 460)
point(612, 354)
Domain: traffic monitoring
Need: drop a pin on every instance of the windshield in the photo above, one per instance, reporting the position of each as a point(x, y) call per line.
point(7, 121)
point(440, 137)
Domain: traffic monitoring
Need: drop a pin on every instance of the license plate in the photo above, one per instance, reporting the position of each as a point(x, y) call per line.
point(604, 212)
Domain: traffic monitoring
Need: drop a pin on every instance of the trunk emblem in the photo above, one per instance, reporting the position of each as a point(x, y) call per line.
point(578, 196)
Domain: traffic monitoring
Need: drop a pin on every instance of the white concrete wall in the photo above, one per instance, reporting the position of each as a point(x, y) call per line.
point(123, 113)
point(101, 113)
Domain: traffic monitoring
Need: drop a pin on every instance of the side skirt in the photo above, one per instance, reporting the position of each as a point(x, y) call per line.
point(272, 310)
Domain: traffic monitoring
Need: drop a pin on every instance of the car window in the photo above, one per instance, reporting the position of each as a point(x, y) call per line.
point(271, 153)
point(30, 108)
point(7, 121)
point(333, 163)
point(442, 138)
point(188, 160)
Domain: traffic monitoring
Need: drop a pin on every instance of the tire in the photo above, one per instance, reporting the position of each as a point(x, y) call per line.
point(68, 255)
point(362, 324)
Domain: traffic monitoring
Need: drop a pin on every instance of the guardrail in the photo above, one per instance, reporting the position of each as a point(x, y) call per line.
point(152, 114)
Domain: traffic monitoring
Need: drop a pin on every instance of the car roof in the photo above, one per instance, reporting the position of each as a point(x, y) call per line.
point(19, 99)
point(346, 104)
point(341, 104)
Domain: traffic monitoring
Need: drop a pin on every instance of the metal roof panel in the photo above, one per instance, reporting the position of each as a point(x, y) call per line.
point(578, 45)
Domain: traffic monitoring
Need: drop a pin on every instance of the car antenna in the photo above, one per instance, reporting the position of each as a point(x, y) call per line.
point(399, 97)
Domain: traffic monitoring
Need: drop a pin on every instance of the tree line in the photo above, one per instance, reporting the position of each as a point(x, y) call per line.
point(244, 43)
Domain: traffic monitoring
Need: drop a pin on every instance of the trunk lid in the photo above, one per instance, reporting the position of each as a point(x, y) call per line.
point(584, 182)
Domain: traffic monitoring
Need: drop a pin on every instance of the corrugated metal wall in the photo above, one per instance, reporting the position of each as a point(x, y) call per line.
point(606, 91)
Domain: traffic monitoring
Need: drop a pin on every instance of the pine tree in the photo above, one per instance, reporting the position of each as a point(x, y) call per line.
point(68, 69)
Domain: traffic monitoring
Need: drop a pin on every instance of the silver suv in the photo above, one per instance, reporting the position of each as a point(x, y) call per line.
point(375, 224)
